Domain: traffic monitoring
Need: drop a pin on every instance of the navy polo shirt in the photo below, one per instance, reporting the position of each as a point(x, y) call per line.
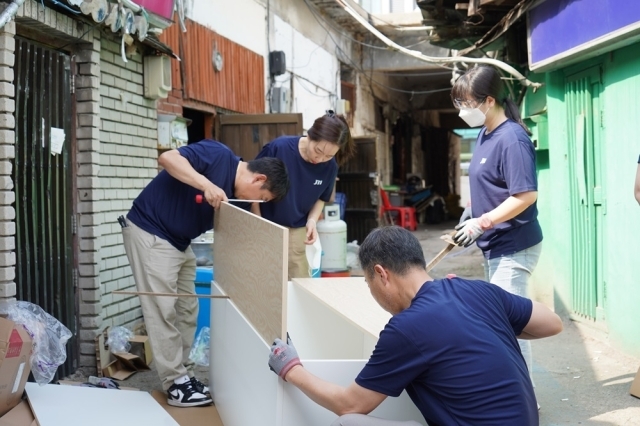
point(309, 183)
point(167, 207)
point(504, 164)
point(454, 350)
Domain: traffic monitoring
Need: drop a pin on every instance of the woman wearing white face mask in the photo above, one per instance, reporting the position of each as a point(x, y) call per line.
point(502, 178)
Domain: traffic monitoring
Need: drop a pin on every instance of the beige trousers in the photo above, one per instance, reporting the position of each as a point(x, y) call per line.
point(298, 264)
point(170, 321)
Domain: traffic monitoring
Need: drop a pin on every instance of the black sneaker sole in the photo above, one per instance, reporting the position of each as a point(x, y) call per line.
point(176, 403)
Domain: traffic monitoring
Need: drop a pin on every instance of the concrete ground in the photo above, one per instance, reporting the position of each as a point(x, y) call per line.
point(580, 380)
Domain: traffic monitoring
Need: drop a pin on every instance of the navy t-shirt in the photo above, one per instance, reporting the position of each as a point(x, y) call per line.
point(504, 164)
point(167, 207)
point(455, 352)
point(309, 183)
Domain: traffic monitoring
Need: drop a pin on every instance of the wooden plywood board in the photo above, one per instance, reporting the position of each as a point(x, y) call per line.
point(350, 298)
point(55, 405)
point(250, 259)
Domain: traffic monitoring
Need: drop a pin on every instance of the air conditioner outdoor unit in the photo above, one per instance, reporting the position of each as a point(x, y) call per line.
point(343, 107)
point(280, 100)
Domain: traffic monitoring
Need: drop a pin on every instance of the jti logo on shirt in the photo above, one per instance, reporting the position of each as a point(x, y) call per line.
point(318, 182)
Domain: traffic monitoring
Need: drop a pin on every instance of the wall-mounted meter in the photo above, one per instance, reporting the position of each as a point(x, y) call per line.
point(172, 131)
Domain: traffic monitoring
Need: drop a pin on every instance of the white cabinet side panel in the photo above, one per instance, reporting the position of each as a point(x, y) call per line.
point(298, 409)
point(244, 390)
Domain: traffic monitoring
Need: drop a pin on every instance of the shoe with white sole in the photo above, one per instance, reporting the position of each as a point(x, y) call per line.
point(200, 387)
point(186, 395)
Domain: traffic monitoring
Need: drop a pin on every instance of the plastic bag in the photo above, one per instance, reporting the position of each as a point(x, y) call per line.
point(314, 257)
point(48, 334)
point(200, 349)
point(118, 339)
point(352, 255)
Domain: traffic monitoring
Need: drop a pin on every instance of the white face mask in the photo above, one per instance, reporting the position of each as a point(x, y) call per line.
point(474, 117)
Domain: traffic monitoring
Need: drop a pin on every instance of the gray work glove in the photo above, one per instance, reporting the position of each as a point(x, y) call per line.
point(466, 215)
point(468, 232)
point(283, 357)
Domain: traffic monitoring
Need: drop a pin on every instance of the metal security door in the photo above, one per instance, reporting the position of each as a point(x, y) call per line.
point(586, 193)
point(43, 186)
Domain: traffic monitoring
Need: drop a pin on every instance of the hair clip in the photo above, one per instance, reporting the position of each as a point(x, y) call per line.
point(330, 113)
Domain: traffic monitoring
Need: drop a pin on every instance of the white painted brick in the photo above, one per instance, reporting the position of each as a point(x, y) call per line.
point(90, 321)
point(7, 136)
point(88, 133)
point(7, 197)
point(90, 309)
point(7, 274)
point(88, 170)
point(88, 107)
point(88, 157)
point(7, 121)
point(88, 283)
point(88, 182)
point(89, 145)
point(6, 74)
point(6, 167)
point(7, 290)
point(7, 243)
point(7, 259)
point(7, 42)
point(89, 69)
point(7, 213)
point(7, 152)
point(90, 295)
point(9, 28)
point(7, 228)
point(7, 58)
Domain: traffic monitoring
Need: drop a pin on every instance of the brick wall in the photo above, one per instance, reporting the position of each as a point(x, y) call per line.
point(128, 161)
point(7, 150)
point(172, 105)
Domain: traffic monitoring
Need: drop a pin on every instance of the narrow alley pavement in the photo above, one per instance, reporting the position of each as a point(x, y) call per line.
point(580, 379)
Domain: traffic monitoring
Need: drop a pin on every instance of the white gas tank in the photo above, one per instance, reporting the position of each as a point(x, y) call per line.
point(333, 237)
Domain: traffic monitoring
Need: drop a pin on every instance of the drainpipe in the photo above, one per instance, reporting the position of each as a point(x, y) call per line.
point(9, 12)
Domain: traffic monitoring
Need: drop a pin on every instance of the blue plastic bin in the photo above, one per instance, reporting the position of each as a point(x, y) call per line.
point(341, 200)
point(204, 276)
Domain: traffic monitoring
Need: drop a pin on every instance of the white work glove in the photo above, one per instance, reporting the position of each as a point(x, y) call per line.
point(468, 232)
point(466, 215)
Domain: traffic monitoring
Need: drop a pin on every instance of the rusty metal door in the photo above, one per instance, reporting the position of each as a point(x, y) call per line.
point(43, 186)
point(247, 134)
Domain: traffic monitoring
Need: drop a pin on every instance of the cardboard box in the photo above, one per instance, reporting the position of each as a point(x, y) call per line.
point(635, 385)
point(193, 416)
point(141, 346)
point(15, 352)
point(122, 365)
point(20, 415)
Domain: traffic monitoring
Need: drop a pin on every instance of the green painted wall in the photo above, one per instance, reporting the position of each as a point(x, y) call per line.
point(620, 133)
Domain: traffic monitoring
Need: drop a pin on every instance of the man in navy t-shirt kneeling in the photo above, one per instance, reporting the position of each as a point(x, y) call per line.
point(451, 344)
point(157, 234)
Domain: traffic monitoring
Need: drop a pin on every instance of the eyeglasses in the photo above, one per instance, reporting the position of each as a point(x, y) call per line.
point(467, 104)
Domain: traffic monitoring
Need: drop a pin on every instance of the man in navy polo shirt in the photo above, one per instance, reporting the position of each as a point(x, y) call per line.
point(451, 344)
point(157, 235)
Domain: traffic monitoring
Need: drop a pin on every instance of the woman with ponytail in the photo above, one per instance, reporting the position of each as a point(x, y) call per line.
point(312, 163)
point(504, 189)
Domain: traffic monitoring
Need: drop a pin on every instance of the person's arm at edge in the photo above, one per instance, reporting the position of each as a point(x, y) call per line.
point(511, 207)
point(637, 185)
point(180, 168)
point(543, 323)
point(340, 400)
point(312, 222)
